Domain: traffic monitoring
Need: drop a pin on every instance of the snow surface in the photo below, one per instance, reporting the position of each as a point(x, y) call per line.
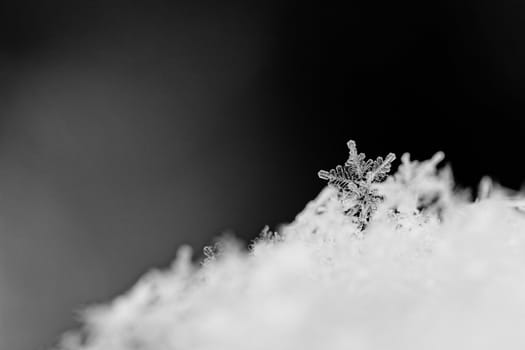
point(432, 270)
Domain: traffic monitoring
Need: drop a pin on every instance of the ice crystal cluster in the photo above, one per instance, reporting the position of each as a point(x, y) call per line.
point(354, 182)
point(432, 269)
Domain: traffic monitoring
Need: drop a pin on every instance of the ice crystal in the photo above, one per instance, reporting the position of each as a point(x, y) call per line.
point(418, 186)
point(354, 183)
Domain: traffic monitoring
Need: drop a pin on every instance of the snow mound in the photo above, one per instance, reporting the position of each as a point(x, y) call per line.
point(432, 270)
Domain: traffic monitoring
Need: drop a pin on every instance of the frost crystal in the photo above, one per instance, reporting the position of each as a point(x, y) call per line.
point(354, 183)
point(418, 186)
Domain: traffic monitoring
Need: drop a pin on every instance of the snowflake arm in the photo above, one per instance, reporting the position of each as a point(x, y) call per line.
point(380, 169)
point(340, 177)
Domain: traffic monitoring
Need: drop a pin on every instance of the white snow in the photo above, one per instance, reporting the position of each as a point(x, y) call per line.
point(441, 272)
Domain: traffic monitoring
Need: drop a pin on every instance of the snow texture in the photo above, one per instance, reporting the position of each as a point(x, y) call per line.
point(432, 270)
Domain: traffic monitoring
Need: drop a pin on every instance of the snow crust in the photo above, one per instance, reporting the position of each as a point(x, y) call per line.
point(433, 270)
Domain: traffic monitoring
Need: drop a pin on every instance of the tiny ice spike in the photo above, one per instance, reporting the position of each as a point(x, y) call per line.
point(354, 181)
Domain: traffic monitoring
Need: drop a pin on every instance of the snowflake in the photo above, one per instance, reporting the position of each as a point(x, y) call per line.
point(354, 183)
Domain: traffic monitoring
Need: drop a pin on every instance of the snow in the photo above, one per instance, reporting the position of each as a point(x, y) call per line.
point(432, 270)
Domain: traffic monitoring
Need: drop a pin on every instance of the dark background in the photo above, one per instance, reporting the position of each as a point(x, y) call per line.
point(129, 128)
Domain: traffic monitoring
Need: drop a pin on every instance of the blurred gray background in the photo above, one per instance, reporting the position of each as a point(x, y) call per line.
point(129, 128)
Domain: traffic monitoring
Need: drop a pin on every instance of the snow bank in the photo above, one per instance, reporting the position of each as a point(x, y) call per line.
point(432, 270)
